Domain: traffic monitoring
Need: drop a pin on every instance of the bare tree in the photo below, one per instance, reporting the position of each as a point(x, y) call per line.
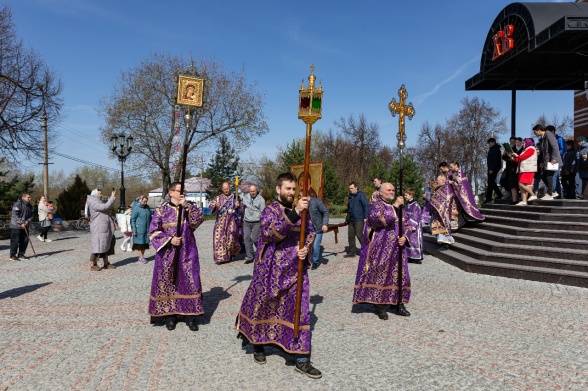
point(469, 131)
point(563, 126)
point(364, 138)
point(433, 147)
point(27, 88)
point(142, 104)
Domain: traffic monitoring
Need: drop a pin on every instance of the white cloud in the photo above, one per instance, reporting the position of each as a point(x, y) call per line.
point(422, 97)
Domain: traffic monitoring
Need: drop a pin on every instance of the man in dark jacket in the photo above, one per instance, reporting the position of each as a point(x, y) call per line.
point(561, 144)
point(494, 164)
point(549, 154)
point(357, 212)
point(22, 214)
point(319, 216)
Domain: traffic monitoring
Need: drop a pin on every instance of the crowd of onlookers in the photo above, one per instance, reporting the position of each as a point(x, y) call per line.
point(549, 165)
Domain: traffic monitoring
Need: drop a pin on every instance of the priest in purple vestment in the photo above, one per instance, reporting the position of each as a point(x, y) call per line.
point(181, 295)
point(377, 271)
point(441, 206)
point(412, 211)
point(225, 235)
point(463, 192)
point(268, 308)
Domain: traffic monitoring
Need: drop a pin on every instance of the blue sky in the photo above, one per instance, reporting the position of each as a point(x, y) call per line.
point(363, 52)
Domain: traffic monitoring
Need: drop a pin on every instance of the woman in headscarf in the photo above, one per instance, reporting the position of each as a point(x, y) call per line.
point(45, 217)
point(101, 229)
point(527, 161)
point(140, 221)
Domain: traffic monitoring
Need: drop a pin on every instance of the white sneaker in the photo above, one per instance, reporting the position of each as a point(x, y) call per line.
point(123, 248)
point(521, 203)
point(443, 239)
point(40, 238)
point(532, 198)
point(451, 240)
point(48, 240)
point(546, 197)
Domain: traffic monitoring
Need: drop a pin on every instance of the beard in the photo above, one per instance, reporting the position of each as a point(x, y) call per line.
point(286, 199)
point(389, 199)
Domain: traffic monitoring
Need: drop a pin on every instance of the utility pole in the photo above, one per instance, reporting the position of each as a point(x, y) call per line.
point(46, 162)
point(201, 175)
point(45, 147)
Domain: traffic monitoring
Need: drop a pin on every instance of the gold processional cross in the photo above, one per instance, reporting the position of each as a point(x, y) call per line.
point(401, 109)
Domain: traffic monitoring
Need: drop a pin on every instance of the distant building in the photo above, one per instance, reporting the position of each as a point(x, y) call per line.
point(196, 191)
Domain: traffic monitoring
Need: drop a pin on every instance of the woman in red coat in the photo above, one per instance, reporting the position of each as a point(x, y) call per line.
point(527, 161)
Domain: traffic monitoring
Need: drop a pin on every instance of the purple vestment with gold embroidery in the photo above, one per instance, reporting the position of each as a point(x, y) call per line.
point(377, 271)
point(464, 195)
point(412, 212)
point(441, 206)
point(185, 297)
point(225, 239)
point(267, 311)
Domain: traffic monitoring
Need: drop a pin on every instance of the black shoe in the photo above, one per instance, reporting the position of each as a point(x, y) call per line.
point(192, 325)
point(170, 323)
point(14, 258)
point(248, 260)
point(349, 255)
point(22, 256)
point(259, 354)
point(307, 368)
point(382, 315)
point(314, 266)
point(401, 310)
point(244, 340)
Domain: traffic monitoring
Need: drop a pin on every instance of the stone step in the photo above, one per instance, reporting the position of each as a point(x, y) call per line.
point(506, 228)
point(552, 225)
point(580, 204)
point(485, 232)
point(539, 207)
point(522, 213)
point(490, 248)
point(451, 255)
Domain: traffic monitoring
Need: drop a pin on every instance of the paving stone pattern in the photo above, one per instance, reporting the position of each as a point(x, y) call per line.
point(63, 327)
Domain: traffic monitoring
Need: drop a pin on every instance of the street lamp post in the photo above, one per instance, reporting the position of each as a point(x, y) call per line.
point(122, 146)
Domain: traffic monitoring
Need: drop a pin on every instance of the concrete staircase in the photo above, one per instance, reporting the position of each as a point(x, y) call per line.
point(543, 241)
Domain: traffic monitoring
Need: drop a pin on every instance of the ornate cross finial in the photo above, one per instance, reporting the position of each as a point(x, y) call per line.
point(311, 78)
point(402, 110)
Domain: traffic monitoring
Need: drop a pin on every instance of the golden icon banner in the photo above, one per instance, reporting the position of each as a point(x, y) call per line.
point(190, 91)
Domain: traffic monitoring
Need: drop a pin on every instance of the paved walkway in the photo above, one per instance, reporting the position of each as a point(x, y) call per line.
point(64, 327)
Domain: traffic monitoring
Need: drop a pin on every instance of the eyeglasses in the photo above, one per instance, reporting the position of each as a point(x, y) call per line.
point(178, 190)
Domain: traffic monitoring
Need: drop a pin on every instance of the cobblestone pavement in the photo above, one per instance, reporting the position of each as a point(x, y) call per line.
point(64, 327)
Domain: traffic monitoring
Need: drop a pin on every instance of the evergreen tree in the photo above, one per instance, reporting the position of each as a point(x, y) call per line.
point(335, 192)
point(378, 169)
point(71, 201)
point(291, 155)
point(412, 177)
point(10, 190)
point(224, 166)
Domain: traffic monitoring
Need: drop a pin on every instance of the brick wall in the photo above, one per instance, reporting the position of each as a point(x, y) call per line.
point(580, 114)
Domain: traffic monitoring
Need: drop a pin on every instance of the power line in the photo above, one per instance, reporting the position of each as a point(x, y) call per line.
point(85, 162)
point(144, 176)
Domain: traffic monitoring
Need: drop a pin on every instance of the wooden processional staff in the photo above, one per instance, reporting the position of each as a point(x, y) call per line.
point(190, 91)
point(309, 110)
point(402, 110)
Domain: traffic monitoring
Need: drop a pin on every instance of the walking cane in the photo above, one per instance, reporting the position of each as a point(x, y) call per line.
point(30, 241)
